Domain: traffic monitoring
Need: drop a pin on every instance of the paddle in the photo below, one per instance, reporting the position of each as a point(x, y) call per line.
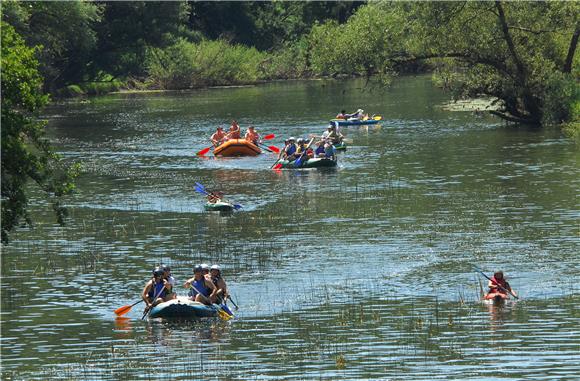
point(298, 161)
point(223, 314)
point(234, 303)
point(377, 117)
point(123, 310)
point(203, 151)
point(269, 137)
point(201, 189)
point(269, 148)
point(493, 281)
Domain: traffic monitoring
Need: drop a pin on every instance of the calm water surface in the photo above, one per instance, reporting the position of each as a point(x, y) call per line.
point(359, 273)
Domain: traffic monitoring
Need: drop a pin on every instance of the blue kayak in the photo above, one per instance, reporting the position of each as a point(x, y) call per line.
point(354, 122)
point(183, 308)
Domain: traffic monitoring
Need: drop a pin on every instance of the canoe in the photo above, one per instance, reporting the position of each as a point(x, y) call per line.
point(220, 206)
point(354, 122)
point(340, 146)
point(182, 308)
point(237, 147)
point(311, 163)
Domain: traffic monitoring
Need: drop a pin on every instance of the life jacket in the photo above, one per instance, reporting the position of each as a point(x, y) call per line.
point(290, 149)
point(501, 282)
point(200, 287)
point(156, 291)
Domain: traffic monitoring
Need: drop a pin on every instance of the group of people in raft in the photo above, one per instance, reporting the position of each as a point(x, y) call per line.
point(358, 115)
point(219, 136)
point(324, 146)
point(207, 286)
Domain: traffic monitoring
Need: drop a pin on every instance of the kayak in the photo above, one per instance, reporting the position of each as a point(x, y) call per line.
point(340, 146)
point(496, 297)
point(182, 307)
point(311, 163)
point(354, 122)
point(219, 206)
point(237, 147)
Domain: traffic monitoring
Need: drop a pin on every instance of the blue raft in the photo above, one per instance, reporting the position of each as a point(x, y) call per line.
point(354, 122)
point(182, 308)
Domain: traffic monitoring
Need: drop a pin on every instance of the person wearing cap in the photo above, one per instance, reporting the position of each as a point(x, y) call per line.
point(218, 136)
point(222, 289)
point(332, 135)
point(329, 150)
point(358, 115)
point(170, 286)
point(252, 135)
point(234, 132)
point(202, 289)
point(155, 290)
point(290, 149)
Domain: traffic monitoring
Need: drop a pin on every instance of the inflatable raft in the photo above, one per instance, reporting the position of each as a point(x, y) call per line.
point(340, 146)
point(354, 122)
point(182, 308)
point(219, 206)
point(311, 163)
point(237, 147)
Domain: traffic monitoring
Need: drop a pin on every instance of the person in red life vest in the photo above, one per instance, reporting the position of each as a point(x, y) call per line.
point(498, 286)
point(234, 132)
point(342, 115)
point(215, 197)
point(252, 135)
point(218, 136)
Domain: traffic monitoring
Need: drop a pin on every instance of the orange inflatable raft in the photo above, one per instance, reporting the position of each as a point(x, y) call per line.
point(237, 147)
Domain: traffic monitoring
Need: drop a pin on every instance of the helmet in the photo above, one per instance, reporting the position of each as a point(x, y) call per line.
point(197, 269)
point(300, 140)
point(291, 138)
point(204, 266)
point(215, 267)
point(158, 271)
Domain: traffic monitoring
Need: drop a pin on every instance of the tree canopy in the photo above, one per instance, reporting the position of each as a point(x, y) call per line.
point(26, 154)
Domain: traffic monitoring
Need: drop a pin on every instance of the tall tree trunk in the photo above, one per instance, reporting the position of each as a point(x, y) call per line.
point(572, 50)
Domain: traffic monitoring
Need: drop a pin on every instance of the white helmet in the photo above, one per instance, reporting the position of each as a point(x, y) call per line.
point(215, 267)
point(204, 266)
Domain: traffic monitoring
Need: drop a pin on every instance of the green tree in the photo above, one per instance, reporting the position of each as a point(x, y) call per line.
point(66, 32)
point(26, 154)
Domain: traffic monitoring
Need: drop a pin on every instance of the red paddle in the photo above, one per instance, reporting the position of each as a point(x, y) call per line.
point(269, 137)
point(274, 148)
point(203, 151)
point(277, 166)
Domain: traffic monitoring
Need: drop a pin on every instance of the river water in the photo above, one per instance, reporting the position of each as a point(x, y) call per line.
point(359, 273)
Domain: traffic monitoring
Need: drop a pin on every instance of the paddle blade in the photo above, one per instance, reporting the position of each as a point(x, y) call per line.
point(200, 186)
point(203, 151)
point(277, 166)
point(377, 117)
point(237, 206)
point(274, 148)
point(269, 137)
point(198, 190)
point(224, 315)
point(122, 310)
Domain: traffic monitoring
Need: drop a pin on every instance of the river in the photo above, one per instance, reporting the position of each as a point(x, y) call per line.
point(359, 273)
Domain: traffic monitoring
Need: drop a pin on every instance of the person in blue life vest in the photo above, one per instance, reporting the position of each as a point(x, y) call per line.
point(202, 289)
point(155, 290)
point(319, 152)
point(290, 150)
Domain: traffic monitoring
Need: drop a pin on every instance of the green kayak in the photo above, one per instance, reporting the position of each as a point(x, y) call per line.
point(311, 163)
point(340, 146)
point(219, 206)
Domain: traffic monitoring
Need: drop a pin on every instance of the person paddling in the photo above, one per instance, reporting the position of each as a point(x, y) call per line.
point(252, 135)
point(170, 285)
point(218, 137)
point(342, 115)
point(234, 132)
point(222, 289)
point(290, 149)
point(215, 197)
point(332, 135)
point(499, 287)
point(155, 290)
point(202, 289)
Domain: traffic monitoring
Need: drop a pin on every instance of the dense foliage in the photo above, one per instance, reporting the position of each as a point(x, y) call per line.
point(26, 154)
